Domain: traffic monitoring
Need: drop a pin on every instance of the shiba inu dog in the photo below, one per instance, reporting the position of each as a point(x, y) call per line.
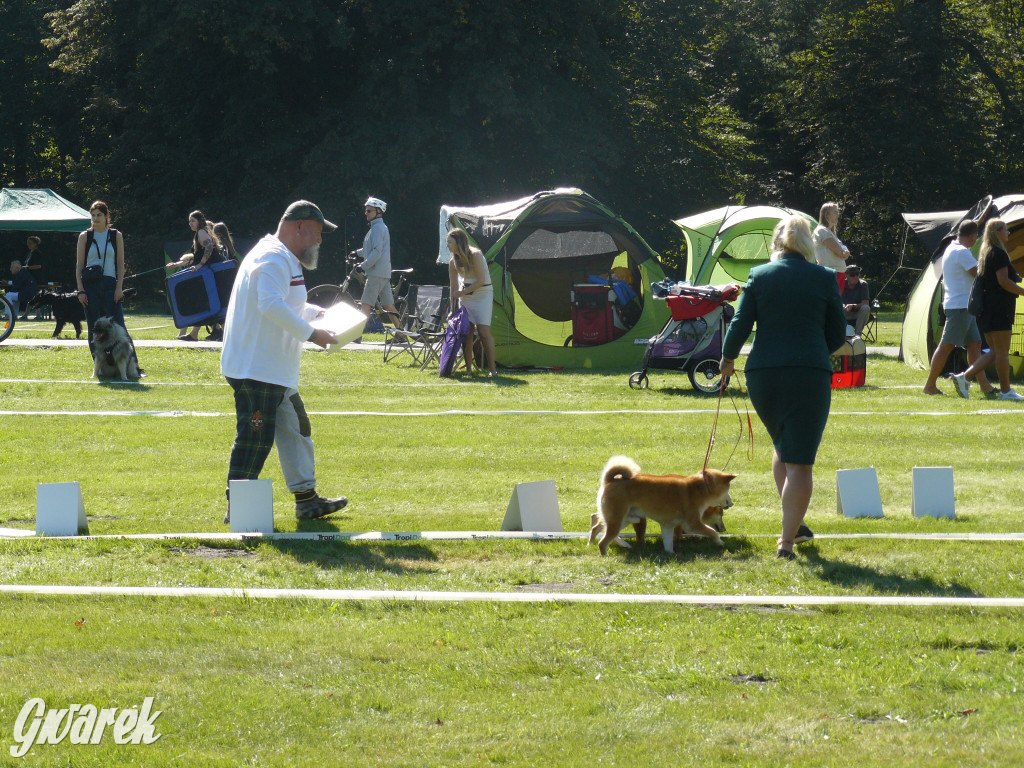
point(693, 504)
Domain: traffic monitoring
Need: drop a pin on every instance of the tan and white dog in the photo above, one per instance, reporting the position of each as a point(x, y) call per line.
point(680, 504)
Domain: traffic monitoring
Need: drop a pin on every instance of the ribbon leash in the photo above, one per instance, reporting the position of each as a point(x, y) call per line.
point(739, 435)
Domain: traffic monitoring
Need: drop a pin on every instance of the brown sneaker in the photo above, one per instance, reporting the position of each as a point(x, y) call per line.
point(318, 506)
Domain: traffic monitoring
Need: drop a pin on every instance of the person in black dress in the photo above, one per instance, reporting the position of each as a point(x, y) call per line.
point(1000, 282)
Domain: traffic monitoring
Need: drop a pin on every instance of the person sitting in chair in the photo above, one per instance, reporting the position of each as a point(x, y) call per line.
point(22, 288)
point(856, 300)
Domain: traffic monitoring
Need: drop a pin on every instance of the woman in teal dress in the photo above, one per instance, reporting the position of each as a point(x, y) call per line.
point(800, 322)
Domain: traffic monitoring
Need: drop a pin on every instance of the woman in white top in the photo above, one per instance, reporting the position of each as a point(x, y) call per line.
point(829, 250)
point(99, 270)
point(470, 287)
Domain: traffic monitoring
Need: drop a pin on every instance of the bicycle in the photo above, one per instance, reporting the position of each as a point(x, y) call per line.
point(351, 289)
point(8, 317)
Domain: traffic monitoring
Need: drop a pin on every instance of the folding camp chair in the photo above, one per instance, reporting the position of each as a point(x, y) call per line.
point(870, 332)
point(425, 310)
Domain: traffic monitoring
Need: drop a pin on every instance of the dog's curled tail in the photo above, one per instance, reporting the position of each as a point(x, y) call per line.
point(619, 468)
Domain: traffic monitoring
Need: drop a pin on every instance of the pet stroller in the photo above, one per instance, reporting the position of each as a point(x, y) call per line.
point(692, 338)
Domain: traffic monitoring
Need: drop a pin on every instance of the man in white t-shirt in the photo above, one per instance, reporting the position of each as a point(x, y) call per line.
point(959, 268)
point(267, 321)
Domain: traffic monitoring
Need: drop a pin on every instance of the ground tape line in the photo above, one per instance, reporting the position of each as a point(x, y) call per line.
point(424, 414)
point(326, 536)
point(511, 597)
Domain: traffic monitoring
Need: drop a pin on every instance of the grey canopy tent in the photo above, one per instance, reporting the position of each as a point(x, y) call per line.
point(40, 210)
point(922, 322)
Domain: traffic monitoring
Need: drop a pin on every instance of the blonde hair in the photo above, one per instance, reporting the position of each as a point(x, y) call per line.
point(825, 215)
point(792, 233)
point(989, 243)
point(462, 252)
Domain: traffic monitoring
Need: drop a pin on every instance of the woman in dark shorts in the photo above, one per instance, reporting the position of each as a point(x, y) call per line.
point(999, 279)
point(800, 322)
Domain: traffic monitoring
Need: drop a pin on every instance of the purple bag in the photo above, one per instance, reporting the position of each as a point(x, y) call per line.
point(454, 335)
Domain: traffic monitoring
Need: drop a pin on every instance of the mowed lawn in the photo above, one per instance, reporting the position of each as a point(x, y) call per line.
point(244, 681)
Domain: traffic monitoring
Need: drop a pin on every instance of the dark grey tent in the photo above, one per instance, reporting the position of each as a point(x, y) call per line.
point(922, 323)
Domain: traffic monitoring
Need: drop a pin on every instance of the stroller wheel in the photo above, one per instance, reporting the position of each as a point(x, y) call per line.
point(706, 376)
point(639, 380)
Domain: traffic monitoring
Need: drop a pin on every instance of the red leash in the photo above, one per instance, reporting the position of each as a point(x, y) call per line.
point(714, 426)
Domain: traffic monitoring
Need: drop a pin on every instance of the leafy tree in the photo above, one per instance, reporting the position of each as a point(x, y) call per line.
point(658, 107)
point(31, 140)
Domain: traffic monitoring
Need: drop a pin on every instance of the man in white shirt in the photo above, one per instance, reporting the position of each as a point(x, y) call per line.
point(959, 268)
point(267, 321)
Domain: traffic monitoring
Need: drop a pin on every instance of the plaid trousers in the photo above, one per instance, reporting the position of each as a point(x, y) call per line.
point(265, 415)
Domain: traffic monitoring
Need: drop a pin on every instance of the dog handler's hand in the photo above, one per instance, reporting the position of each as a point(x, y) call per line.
point(322, 338)
point(83, 299)
point(727, 366)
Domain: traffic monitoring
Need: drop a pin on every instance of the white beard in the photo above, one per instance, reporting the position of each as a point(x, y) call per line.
point(310, 257)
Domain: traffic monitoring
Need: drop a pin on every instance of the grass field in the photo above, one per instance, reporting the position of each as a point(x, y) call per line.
point(243, 681)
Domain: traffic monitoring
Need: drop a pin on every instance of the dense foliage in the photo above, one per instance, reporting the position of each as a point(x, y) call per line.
point(660, 108)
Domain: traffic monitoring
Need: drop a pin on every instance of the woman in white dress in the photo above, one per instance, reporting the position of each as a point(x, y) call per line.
point(829, 250)
point(470, 287)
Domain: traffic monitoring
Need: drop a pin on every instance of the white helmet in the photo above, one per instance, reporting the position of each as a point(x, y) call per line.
point(376, 202)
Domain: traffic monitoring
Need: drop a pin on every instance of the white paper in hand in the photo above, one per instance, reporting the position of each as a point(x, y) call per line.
point(344, 321)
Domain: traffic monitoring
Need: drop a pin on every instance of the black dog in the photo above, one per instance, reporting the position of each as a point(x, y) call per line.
point(66, 309)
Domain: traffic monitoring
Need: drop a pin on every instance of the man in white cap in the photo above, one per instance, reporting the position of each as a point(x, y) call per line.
point(376, 255)
point(267, 321)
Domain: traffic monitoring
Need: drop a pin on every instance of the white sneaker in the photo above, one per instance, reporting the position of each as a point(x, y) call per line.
point(1012, 394)
point(963, 386)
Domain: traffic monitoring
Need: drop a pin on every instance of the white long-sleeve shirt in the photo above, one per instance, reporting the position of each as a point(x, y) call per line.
point(268, 317)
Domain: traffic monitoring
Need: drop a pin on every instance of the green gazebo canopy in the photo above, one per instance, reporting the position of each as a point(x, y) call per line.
point(40, 210)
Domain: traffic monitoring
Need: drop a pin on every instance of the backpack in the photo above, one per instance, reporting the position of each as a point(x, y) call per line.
point(90, 238)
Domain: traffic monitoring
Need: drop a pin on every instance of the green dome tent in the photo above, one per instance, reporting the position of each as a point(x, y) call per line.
point(724, 244)
point(922, 321)
point(537, 249)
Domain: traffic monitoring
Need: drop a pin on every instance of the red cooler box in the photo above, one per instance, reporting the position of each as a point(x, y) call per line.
point(592, 314)
point(849, 364)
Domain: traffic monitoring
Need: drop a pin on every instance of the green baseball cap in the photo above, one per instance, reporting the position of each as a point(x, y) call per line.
point(303, 210)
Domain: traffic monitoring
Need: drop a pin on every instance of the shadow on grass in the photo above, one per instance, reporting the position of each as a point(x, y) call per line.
point(503, 379)
point(687, 550)
point(135, 386)
point(847, 574)
point(694, 393)
point(398, 558)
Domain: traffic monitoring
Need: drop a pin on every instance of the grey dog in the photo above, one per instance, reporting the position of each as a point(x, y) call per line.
point(113, 353)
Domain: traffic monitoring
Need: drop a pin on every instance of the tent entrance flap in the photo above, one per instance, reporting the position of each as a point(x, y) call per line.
point(744, 252)
point(545, 286)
